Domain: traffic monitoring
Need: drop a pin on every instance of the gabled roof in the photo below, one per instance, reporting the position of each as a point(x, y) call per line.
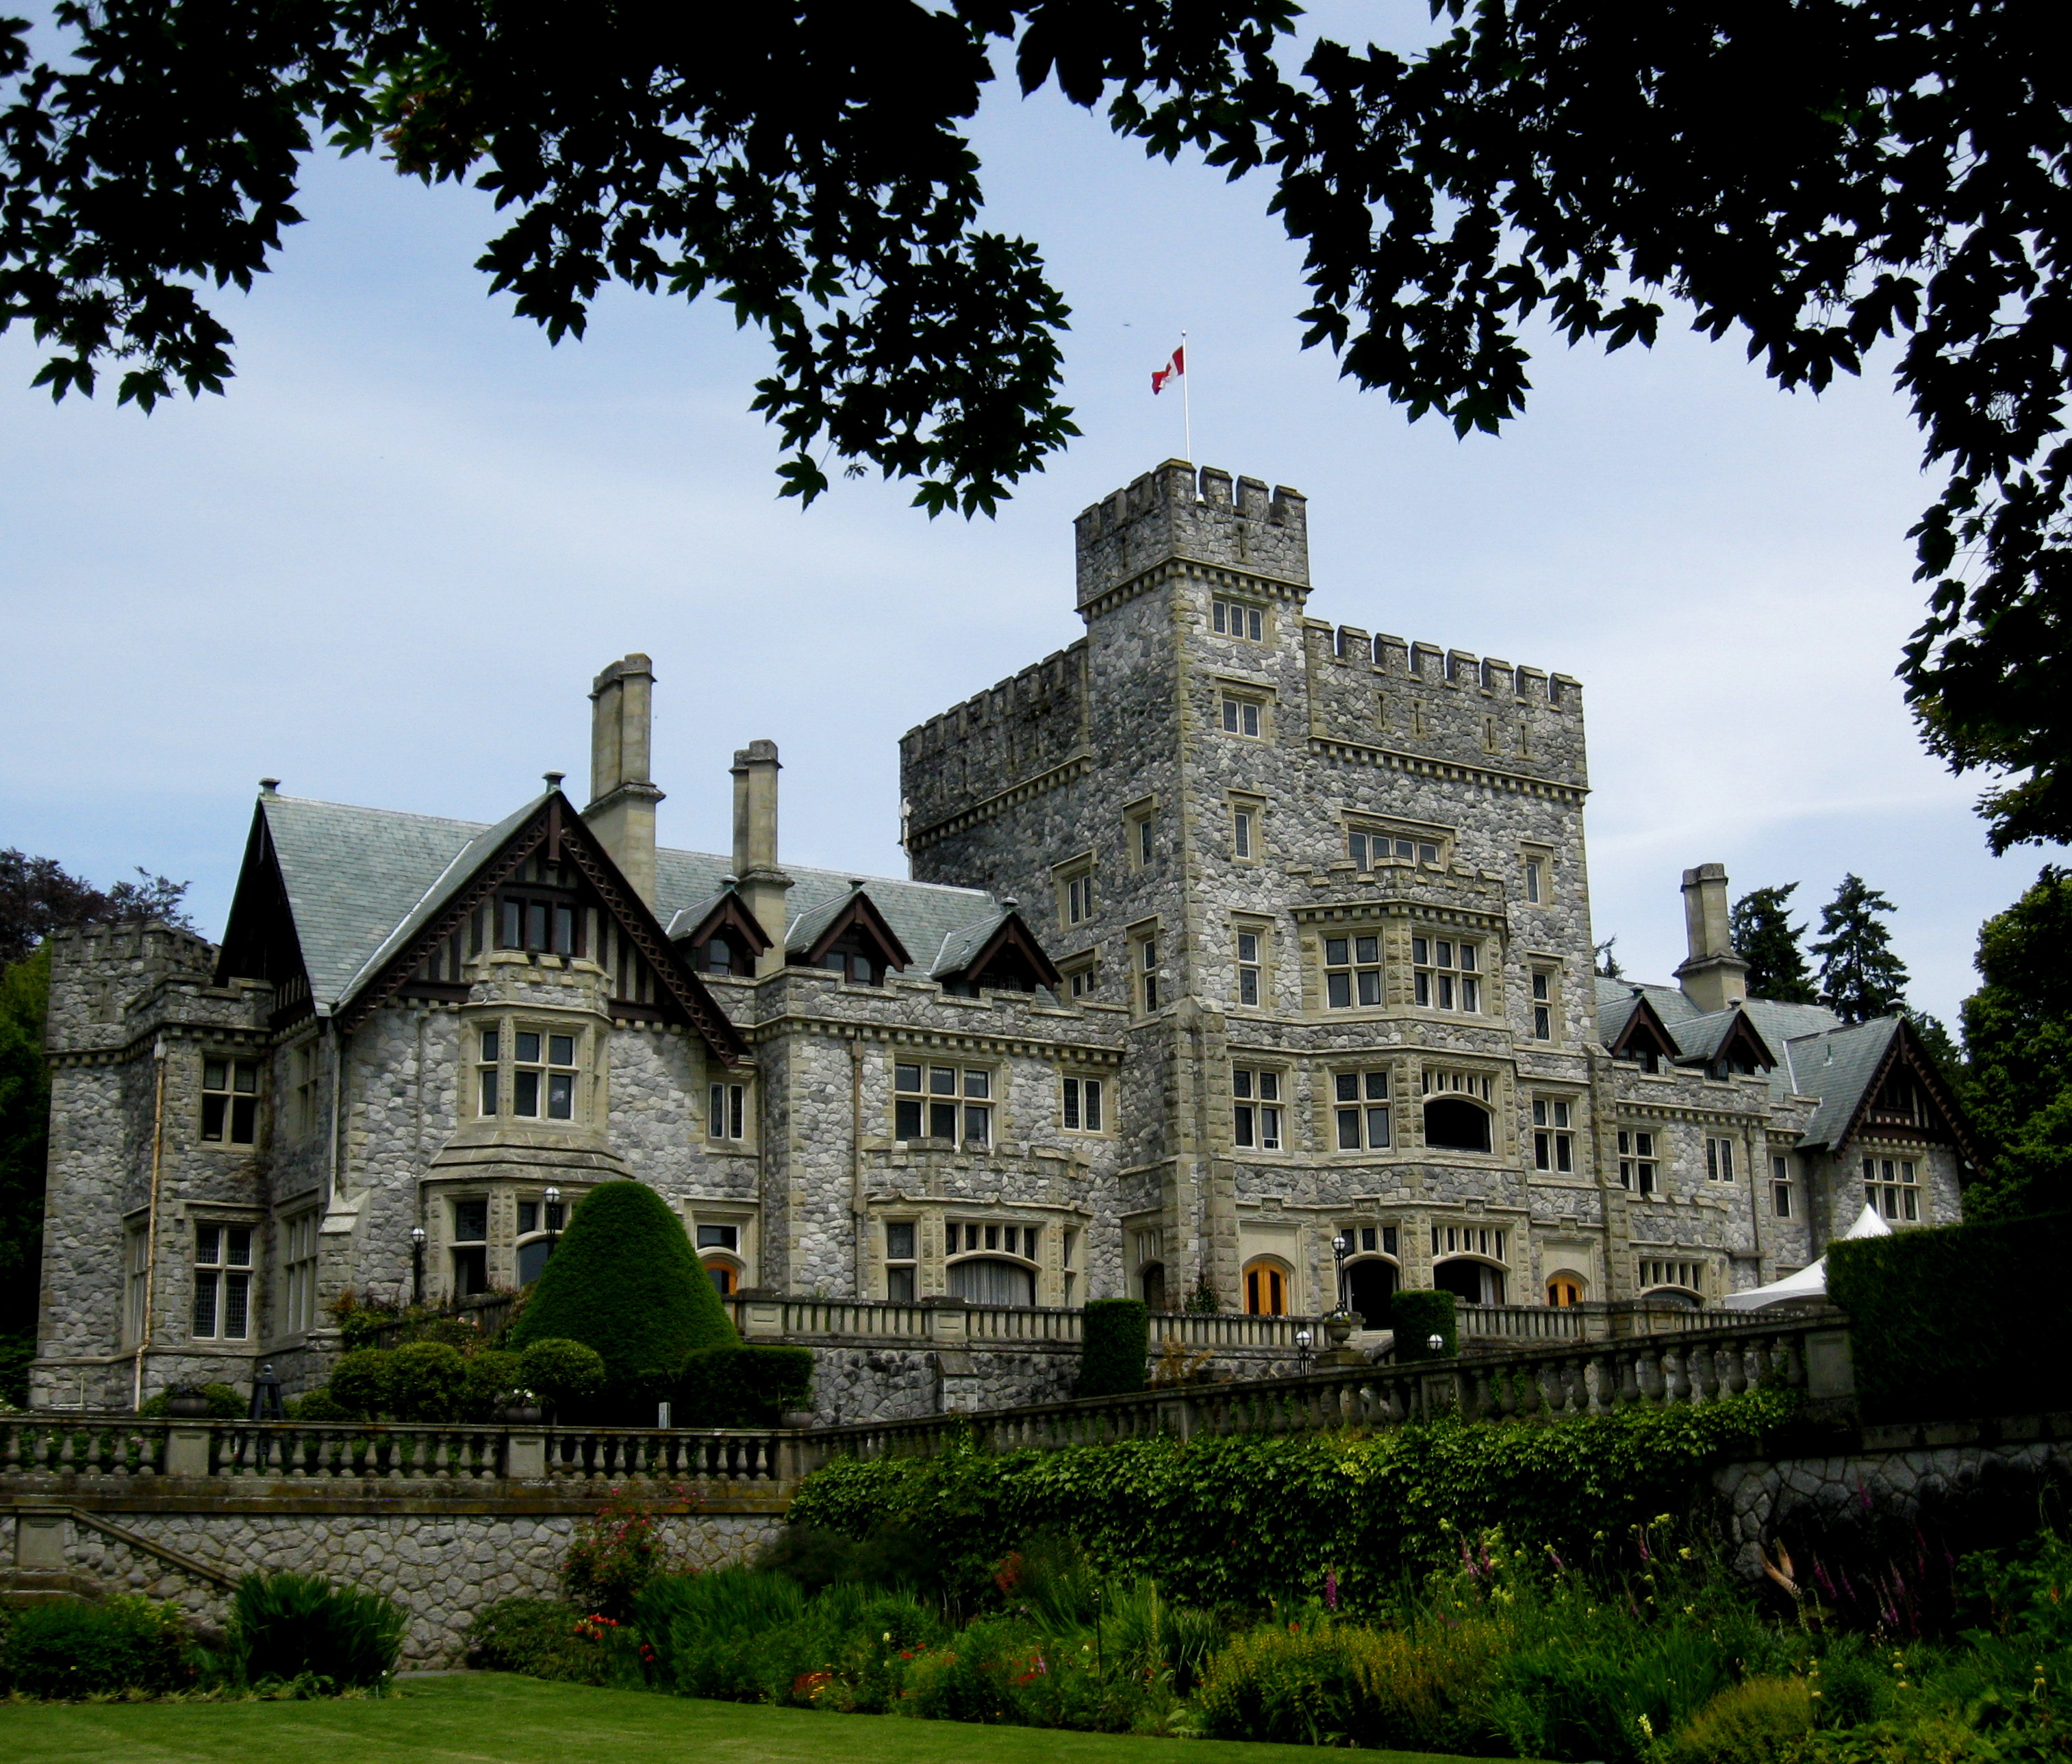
point(1848, 1067)
point(1637, 1026)
point(1006, 938)
point(1701, 1040)
point(814, 932)
point(700, 924)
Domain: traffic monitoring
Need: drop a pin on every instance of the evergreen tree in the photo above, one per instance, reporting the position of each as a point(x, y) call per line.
point(2017, 1080)
point(624, 1281)
point(1765, 939)
point(1860, 976)
point(1607, 961)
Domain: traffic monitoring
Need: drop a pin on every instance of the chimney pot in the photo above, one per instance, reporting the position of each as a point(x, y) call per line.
point(269, 785)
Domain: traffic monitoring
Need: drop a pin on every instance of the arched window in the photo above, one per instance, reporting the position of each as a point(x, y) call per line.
point(991, 1280)
point(1453, 1124)
point(1565, 1290)
point(1371, 1284)
point(725, 1277)
point(1266, 1287)
point(1473, 1283)
point(1152, 1278)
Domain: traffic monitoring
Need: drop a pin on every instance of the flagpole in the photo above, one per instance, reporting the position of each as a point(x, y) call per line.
point(1186, 398)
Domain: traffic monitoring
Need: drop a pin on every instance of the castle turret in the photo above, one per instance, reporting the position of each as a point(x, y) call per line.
point(622, 795)
point(1170, 512)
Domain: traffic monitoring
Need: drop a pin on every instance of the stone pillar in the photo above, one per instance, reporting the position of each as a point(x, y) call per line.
point(762, 883)
point(187, 1451)
point(623, 795)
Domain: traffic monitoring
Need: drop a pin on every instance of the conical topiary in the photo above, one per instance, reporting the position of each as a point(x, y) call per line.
point(623, 1280)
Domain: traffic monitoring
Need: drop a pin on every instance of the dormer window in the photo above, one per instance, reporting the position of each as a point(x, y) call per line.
point(850, 960)
point(725, 957)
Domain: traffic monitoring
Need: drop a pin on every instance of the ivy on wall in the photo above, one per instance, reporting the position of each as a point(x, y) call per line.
point(1246, 1518)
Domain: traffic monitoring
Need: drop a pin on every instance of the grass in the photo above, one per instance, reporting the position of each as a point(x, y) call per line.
point(495, 1718)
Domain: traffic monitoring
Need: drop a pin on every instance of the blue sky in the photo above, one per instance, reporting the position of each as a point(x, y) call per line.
point(386, 566)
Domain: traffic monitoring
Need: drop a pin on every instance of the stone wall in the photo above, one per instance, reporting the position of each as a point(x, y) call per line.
point(442, 1566)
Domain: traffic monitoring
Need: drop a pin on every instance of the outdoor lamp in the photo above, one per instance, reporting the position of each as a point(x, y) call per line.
point(1303, 1339)
point(553, 1209)
point(1340, 1245)
point(417, 1265)
point(1436, 1343)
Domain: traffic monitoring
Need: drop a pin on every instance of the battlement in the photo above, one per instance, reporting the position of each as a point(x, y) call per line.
point(98, 973)
point(1436, 666)
point(1039, 685)
point(1205, 516)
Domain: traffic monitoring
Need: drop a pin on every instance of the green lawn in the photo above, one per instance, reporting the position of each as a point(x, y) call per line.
point(492, 1718)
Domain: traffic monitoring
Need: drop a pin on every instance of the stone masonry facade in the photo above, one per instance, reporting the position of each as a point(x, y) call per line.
point(1229, 933)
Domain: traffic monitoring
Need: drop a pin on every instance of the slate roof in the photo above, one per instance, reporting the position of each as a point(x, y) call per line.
point(1803, 1036)
point(361, 880)
point(959, 947)
point(1838, 1067)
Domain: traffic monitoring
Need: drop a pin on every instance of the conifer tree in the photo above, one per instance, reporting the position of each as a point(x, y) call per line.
point(1765, 939)
point(1860, 976)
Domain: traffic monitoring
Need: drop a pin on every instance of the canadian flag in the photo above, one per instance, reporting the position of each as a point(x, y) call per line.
point(1172, 370)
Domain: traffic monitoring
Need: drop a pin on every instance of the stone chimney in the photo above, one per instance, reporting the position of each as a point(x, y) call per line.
point(762, 884)
point(1713, 977)
point(622, 796)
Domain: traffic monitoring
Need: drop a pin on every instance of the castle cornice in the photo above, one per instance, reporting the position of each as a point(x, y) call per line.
point(1075, 764)
point(1182, 568)
point(949, 1040)
point(1521, 783)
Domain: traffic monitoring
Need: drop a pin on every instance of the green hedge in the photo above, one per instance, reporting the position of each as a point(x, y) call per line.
point(624, 1281)
point(742, 1387)
point(1417, 1315)
point(1115, 1348)
point(1244, 1518)
point(1961, 1320)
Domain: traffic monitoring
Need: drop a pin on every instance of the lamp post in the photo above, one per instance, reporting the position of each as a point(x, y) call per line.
point(554, 1198)
point(1436, 1343)
point(417, 1265)
point(1302, 1340)
point(1340, 1244)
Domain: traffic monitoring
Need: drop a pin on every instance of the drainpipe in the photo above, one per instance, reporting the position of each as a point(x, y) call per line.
point(858, 1228)
point(151, 1223)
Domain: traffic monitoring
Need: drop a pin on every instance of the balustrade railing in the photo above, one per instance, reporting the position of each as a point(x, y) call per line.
point(56, 1445)
point(1592, 1378)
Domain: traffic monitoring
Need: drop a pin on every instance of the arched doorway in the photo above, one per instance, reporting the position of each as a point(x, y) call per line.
point(1266, 1287)
point(1471, 1282)
point(1371, 1284)
point(725, 1277)
point(1564, 1289)
point(1152, 1278)
point(1453, 1124)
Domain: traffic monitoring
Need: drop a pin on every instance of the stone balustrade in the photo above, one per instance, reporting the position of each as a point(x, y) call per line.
point(1695, 1366)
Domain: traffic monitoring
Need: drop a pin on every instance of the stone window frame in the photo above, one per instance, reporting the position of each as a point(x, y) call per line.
point(1080, 974)
point(545, 1228)
point(1894, 1185)
point(305, 1086)
point(730, 1112)
point(1140, 832)
point(1719, 1159)
point(1260, 966)
point(1073, 882)
point(1781, 1186)
point(744, 1218)
point(1664, 1268)
point(1262, 1105)
point(1640, 1161)
point(1536, 874)
point(236, 1063)
point(300, 1242)
point(1364, 832)
point(1256, 616)
point(457, 1246)
point(508, 1023)
point(1245, 823)
point(1086, 1095)
point(1543, 1000)
point(1351, 934)
point(900, 1260)
point(224, 1221)
point(1234, 698)
point(989, 1097)
point(1363, 1106)
point(1476, 980)
point(136, 1275)
point(1146, 980)
point(1554, 1116)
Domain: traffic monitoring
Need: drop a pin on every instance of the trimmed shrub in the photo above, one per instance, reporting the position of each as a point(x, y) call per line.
point(423, 1382)
point(492, 1375)
point(537, 1636)
point(359, 1382)
point(286, 1626)
point(225, 1403)
point(1918, 1360)
point(742, 1387)
point(564, 1373)
point(1115, 1348)
point(624, 1281)
point(1764, 1721)
point(319, 1405)
point(1416, 1316)
point(123, 1643)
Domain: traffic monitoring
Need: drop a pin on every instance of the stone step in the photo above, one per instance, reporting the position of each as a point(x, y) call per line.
point(48, 1586)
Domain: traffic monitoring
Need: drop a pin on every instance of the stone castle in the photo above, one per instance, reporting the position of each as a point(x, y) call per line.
point(1237, 947)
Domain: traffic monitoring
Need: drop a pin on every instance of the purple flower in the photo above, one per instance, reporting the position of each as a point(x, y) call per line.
point(1330, 1588)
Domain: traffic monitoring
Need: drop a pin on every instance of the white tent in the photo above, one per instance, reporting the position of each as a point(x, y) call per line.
point(1809, 1282)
